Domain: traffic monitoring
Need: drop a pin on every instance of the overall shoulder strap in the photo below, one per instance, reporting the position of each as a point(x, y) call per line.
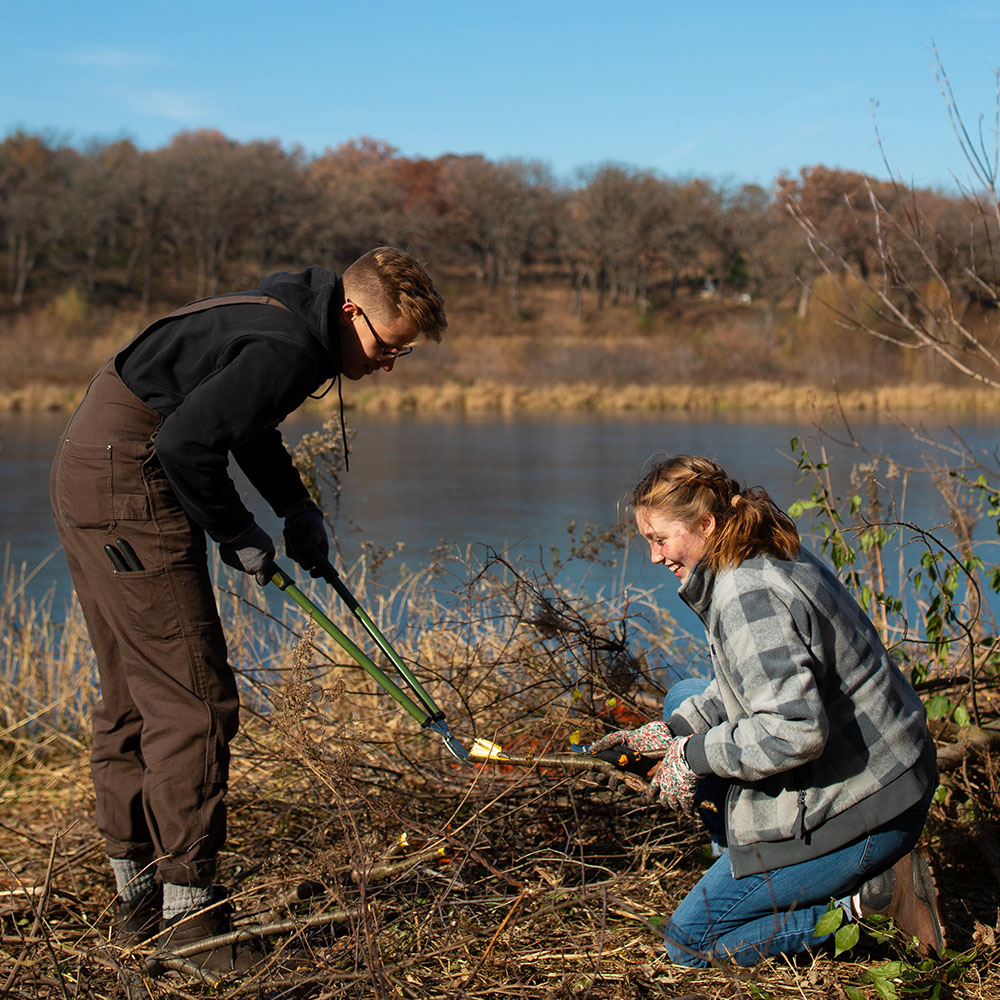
point(225, 300)
point(199, 306)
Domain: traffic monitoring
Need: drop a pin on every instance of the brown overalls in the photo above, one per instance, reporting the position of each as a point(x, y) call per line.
point(169, 705)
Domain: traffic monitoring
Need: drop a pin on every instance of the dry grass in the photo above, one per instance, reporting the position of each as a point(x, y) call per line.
point(511, 882)
point(485, 396)
point(687, 355)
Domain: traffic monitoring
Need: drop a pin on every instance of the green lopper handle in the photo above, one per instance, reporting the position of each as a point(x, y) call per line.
point(284, 582)
point(330, 574)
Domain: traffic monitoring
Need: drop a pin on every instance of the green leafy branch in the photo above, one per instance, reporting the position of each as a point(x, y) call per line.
point(906, 976)
point(947, 581)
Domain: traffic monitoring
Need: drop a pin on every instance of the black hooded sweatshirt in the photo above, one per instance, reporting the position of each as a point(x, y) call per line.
point(223, 379)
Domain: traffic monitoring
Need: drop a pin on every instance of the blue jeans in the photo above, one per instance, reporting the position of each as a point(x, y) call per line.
point(742, 920)
point(712, 789)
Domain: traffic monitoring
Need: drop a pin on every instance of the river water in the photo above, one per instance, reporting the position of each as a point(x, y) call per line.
point(492, 482)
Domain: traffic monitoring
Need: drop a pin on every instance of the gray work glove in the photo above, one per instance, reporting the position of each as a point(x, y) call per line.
point(306, 540)
point(251, 551)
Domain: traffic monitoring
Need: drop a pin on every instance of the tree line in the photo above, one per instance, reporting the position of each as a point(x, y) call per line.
point(213, 213)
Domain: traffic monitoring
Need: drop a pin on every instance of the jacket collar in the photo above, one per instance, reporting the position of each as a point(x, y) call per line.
point(696, 590)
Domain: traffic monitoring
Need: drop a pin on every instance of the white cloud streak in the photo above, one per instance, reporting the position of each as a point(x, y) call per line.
point(173, 105)
point(115, 59)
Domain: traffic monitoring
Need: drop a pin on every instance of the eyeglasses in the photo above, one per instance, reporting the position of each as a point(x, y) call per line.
point(386, 353)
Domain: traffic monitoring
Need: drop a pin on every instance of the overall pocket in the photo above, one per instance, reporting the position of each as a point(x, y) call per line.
point(148, 602)
point(169, 602)
point(83, 485)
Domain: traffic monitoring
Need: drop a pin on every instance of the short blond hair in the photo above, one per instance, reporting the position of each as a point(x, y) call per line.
point(394, 284)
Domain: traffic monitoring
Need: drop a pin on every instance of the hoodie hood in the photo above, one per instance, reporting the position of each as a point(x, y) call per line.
point(314, 295)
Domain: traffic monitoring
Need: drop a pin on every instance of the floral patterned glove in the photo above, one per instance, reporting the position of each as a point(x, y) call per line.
point(652, 736)
point(673, 781)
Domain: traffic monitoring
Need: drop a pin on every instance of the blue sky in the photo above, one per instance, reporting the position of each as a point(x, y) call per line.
point(732, 90)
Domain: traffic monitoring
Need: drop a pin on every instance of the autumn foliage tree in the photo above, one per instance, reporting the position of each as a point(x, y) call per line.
point(206, 212)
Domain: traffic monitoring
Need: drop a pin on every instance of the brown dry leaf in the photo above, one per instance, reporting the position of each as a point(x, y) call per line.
point(984, 936)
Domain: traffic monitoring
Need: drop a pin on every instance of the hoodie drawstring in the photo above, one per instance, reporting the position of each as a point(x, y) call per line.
point(343, 426)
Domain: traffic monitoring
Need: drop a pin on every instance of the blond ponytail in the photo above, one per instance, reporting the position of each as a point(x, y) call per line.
point(689, 488)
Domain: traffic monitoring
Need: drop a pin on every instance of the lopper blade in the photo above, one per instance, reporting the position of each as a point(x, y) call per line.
point(454, 747)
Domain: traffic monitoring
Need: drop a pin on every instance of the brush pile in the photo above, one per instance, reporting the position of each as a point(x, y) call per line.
point(372, 864)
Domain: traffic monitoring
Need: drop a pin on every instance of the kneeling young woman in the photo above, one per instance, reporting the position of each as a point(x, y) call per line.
point(807, 740)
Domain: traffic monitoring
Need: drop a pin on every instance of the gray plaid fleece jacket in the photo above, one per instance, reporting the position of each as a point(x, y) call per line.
point(807, 714)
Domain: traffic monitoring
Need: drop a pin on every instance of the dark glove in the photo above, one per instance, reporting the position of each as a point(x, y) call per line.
point(627, 761)
point(652, 736)
point(673, 781)
point(251, 551)
point(306, 540)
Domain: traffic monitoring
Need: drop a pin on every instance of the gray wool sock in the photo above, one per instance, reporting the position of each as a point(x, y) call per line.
point(133, 878)
point(181, 899)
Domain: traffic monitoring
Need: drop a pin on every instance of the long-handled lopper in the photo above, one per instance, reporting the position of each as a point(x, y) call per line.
point(421, 706)
point(630, 766)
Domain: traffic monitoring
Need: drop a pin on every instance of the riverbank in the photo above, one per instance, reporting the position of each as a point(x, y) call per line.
point(688, 356)
point(490, 396)
point(485, 396)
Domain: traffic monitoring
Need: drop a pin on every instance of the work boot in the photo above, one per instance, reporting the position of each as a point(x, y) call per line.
point(180, 933)
point(907, 893)
point(137, 920)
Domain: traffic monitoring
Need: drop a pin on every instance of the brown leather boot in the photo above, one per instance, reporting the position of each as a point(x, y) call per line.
point(137, 920)
point(179, 934)
point(907, 893)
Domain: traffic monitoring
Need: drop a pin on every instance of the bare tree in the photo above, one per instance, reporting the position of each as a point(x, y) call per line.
point(97, 203)
point(145, 194)
point(612, 230)
point(774, 252)
point(656, 203)
point(684, 233)
point(358, 202)
point(736, 224)
point(35, 184)
point(504, 210)
point(930, 266)
point(210, 199)
point(282, 203)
